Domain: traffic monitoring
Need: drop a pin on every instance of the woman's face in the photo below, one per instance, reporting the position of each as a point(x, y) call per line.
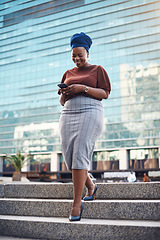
point(80, 56)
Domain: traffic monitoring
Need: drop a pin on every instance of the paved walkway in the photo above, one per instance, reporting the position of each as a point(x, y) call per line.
point(9, 180)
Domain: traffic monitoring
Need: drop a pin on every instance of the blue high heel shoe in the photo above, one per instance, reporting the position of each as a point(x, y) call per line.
point(78, 218)
point(92, 197)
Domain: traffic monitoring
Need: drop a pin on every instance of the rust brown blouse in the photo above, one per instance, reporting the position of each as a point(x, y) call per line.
point(91, 76)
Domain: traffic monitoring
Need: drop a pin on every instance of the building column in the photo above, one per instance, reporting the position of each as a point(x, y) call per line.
point(123, 159)
point(1, 164)
point(54, 162)
point(26, 167)
point(159, 156)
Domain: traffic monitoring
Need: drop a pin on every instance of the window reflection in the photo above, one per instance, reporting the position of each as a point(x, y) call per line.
point(37, 137)
point(143, 159)
point(7, 167)
point(42, 165)
point(106, 160)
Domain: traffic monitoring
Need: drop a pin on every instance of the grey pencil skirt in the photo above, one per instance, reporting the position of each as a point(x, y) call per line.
point(81, 123)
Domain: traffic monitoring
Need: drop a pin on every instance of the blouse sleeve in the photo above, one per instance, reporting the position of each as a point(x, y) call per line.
point(103, 80)
point(64, 77)
point(62, 80)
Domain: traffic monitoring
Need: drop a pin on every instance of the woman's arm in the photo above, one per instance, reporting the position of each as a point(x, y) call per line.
point(77, 89)
point(97, 93)
point(62, 99)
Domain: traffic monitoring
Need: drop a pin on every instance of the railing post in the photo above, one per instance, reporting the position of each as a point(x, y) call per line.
point(159, 156)
point(123, 159)
point(54, 162)
point(1, 164)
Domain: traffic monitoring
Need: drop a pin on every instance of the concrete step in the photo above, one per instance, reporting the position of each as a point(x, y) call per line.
point(15, 238)
point(138, 190)
point(98, 209)
point(87, 229)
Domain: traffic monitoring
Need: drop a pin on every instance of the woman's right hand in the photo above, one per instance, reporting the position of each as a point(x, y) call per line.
point(73, 89)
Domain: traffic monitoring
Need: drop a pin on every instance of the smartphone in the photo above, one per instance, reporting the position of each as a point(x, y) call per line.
point(62, 85)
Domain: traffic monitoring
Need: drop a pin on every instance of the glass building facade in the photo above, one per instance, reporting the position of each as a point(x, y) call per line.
point(34, 54)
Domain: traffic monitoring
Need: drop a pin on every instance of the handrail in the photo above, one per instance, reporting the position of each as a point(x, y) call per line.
point(91, 171)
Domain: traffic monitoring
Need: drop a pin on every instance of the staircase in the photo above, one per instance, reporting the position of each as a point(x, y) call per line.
point(121, 211)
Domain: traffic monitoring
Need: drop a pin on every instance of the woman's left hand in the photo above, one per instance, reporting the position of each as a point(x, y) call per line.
point(73, 89)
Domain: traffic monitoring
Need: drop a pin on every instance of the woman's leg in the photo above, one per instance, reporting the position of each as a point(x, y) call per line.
point(79, 177)
point(90, 186)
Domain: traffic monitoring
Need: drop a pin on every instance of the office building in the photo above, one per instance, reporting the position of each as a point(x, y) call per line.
point(34, 54)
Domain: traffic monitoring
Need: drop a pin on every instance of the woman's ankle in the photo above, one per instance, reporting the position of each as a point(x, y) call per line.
point(90, 190)
point(91, 187)
point(76, 204)
point(76, 208)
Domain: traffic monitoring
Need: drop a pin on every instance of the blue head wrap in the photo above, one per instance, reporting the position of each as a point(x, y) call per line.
point(81, 40)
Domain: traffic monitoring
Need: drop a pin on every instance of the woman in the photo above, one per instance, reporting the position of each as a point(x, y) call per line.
point(81, 119)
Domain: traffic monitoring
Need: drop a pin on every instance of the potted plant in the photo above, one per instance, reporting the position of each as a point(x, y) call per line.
point(17, 163)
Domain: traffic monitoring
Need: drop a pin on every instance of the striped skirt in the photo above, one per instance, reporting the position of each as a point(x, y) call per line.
point(81, 123)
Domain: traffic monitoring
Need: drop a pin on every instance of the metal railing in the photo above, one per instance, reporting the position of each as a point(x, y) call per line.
point(99, 175)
